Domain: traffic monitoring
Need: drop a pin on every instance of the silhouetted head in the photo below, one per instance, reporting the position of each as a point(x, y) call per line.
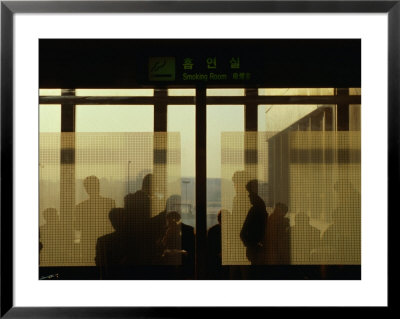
point(280, 209)
point(92, 185)
point(252, 188)
point(137, 205)
point(173, 204)
point(50, 215)
point(117, 218)
point(147, 184)
point(128, 199)
point(173, 218)
point(220, 213)
point(219, 216)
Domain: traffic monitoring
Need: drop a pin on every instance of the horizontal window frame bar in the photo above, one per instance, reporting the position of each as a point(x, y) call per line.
point(210, 100)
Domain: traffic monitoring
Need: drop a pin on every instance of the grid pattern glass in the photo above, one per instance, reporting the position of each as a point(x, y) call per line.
point(309, 183)
point(97, 187)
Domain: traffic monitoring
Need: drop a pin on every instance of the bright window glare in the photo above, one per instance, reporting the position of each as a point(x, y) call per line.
point(181, 92)
point(225, 118)
point(276, 118)
point(355, 91)
point(114, 92)
point(114, 118)
point(49, 92)
point(296, 91)
point(181, 118)
point(50, 118)
point(225, 92)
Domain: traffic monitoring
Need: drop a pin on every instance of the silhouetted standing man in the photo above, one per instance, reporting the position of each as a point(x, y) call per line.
point(253, 230)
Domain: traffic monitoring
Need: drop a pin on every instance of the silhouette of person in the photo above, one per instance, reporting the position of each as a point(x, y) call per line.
point(305, 239)
point(254, 227)
point(172, 239)
point(137, 208)
point(341, 242)
point(278, 236)
point(159, 221)
point(91, 217)
point(149, 188)
point(175, 239)
point(241, 200)
point(214, 250)
point(112, 249)
point(51, 236)
point(179, 242)
point(147, 185)
point(40, 243)
point(123, 253)
point(240, 207)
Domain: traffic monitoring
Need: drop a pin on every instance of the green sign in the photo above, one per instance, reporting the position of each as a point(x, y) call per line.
point(162, 69)
point(197, 69)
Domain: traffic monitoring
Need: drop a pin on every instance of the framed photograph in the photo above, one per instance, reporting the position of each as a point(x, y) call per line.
point(159, 156)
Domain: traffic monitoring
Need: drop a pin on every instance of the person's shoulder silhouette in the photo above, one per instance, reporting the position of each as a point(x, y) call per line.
point(95, 206)
point(214, 234)
point(112, 249)
point(214, 249)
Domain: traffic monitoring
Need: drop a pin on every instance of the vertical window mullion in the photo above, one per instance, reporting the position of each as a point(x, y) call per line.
point(251, 112)
point(250, 139)
point(67, 158)
point(160, 110)
point(201, 183)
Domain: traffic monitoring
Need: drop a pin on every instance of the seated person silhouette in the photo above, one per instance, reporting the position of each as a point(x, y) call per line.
point(278, 236)
point(91, 218)
point(178, 244)
point(341, 242)
point(304, 239)
point(171, 236)
point(51, 237)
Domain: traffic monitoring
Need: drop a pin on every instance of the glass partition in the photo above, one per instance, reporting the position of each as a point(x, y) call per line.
point(118, 191)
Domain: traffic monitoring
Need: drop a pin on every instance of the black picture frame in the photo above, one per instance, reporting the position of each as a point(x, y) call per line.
point(9, 8)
